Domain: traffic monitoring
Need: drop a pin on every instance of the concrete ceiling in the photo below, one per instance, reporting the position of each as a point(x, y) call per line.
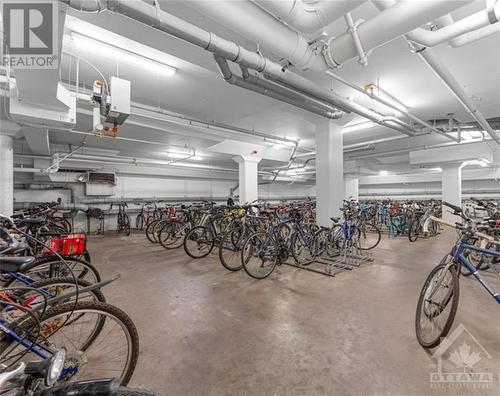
point(197, 89)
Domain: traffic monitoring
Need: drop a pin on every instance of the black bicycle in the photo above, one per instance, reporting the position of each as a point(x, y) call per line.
point(122, 221)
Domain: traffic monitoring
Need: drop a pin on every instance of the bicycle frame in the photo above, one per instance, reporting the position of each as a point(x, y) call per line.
point(460, 257)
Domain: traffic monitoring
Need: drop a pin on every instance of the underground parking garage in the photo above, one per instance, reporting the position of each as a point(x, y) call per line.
point(254, 197)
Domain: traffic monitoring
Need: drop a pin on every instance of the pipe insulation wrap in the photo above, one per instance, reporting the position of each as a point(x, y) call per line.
point(393, 22)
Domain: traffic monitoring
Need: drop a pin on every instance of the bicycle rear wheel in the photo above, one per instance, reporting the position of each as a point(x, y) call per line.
point(230, 249)
point(413, 230)
point(368, 236)
point(259, 255)
point(437, 304)
point(199, 242)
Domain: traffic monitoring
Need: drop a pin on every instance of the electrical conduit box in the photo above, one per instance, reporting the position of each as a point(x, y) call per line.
point(118, 102)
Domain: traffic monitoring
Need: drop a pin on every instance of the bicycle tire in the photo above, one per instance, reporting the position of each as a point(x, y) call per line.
point(88, 269)
point(106, 308)
point(454, 296)
point(191, 236)
point(232, 253)
point(139, 222)
point(413, 236)
point(150, 228)
point(248, 247)
point(373, 229)
point(99, 296)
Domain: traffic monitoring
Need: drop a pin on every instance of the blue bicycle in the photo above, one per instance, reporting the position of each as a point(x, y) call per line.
point(438, 301)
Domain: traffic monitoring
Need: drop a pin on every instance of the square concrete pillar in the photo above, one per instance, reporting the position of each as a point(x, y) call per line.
point(451, 185)
point(248, 178)
point(329, 170)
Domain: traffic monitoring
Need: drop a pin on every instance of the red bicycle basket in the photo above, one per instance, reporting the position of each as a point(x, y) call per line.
point(66, 245)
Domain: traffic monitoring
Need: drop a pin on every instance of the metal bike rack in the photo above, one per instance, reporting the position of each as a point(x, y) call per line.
point(330, 265)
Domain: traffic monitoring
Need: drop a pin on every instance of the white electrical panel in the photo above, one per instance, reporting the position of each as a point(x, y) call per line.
point(118, 101)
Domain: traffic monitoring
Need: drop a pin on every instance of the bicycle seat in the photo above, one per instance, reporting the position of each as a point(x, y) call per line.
point(335, 219)
point(16, 264)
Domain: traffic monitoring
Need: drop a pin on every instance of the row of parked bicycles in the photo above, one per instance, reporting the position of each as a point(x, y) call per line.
point(58, 333)
point(260, 236)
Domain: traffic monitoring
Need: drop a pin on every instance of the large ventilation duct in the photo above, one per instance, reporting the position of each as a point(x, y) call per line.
point(309, 16)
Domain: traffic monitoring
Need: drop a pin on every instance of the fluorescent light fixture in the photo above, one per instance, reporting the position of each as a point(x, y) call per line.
point(383, 173)
point(175, 155)
point(436, 169)
point(135, 59)
point(358, 127)
point(375, 90)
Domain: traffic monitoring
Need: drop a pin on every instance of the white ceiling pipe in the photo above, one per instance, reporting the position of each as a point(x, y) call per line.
point(389, 104)
point(308, 16)
point(255, 85)
point(475, 35)
point(470, 37)
point(429, 38)
point(448, 79)
point(179, 28)
point(393, 22)
point(454, 86)
point(257, 25)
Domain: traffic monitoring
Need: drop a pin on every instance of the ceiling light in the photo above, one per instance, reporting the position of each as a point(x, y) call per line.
point(176, 155)
point(136, 59)
point(358, 127)
point(375, 90)
point(383, 173)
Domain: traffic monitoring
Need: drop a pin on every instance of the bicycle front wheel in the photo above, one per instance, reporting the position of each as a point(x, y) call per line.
point(259, 255)
point(100, 340)
point(437, 304)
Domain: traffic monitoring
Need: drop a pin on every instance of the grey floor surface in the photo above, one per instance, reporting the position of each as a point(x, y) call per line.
point(206, 331)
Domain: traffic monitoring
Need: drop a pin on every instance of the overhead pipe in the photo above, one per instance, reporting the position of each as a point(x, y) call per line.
point(126, 160)
point(447, 78)
point(179, 28)
point(454, 86)
point(308, 16)
point(259, 26)
point(389, 104)
point(483, 18)
point(330, 111)
point(394, 21)
point(265, 88)
point(476, 35)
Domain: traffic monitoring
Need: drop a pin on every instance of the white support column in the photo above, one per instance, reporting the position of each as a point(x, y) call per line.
point(329, 169)
point(6, 175)
point(351, 188)
point(248, 178)
point(451, 186)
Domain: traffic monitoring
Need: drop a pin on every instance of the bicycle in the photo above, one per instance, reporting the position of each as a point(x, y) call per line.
point(264, 250)
point(438, 301)
point(122, 220)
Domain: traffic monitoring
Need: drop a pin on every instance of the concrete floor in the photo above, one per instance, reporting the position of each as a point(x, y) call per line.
point(207, 331)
